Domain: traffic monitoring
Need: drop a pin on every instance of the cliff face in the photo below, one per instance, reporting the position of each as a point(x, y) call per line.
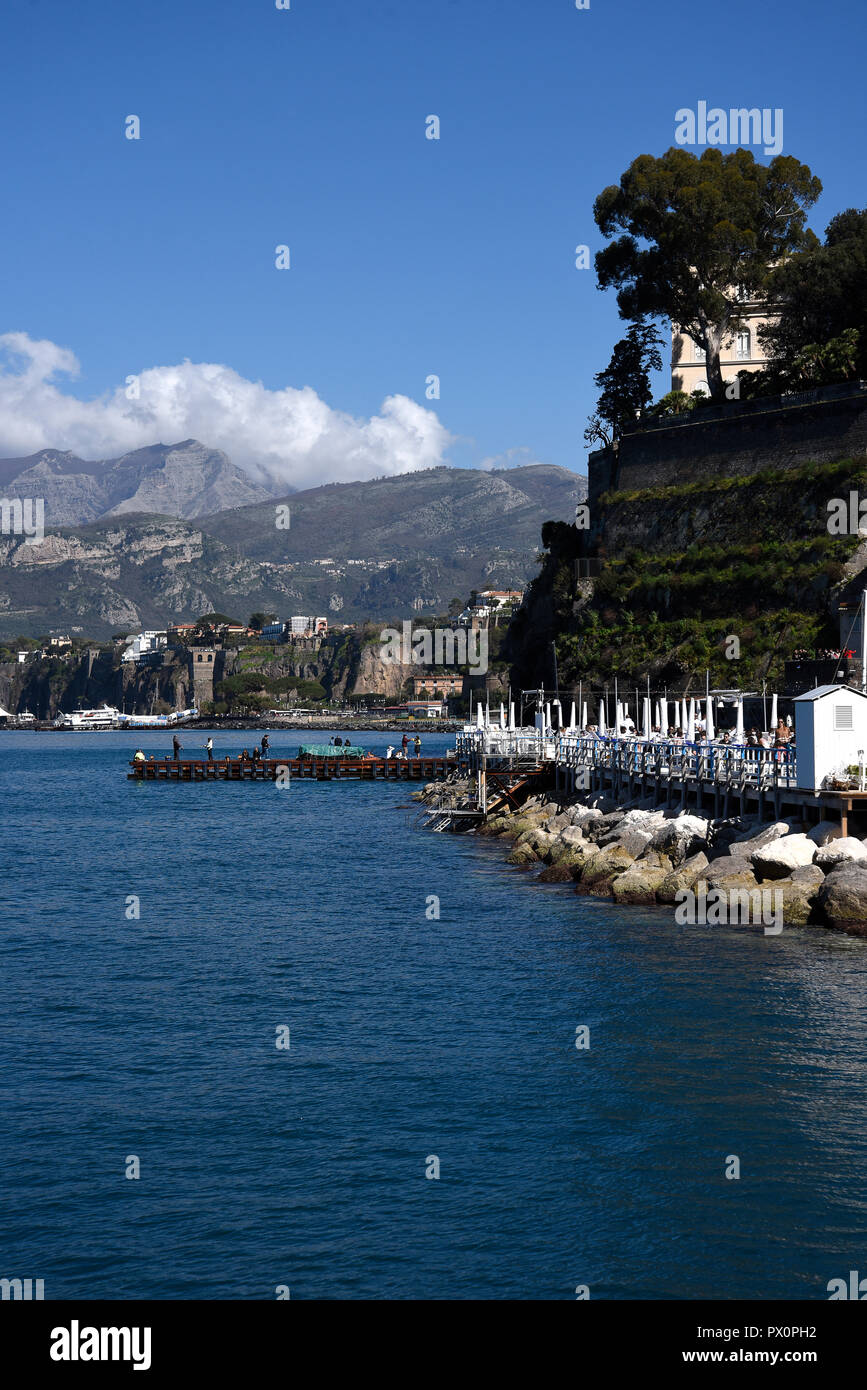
point(343, 665)
point(93, 678)
point(725, 573)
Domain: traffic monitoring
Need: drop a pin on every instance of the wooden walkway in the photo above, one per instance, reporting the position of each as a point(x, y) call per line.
point(296, 769)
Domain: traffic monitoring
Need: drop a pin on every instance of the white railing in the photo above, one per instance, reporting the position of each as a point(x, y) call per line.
point(507, 743)
point(728, 763)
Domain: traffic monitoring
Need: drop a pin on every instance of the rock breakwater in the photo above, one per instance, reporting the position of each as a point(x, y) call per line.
point(635, 853)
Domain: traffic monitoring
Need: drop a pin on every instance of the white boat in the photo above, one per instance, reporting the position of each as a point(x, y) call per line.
point(156, 721)
point(83, 720)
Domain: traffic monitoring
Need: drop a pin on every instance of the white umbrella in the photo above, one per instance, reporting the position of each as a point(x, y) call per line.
point(710, 732)
point(502, 715)
point(602, 716)
point(690, 723)
point(584, 715)
point(773, 711)
point(572, 716)
point(739, 727)
point(663, 716)
point(511, 714)
point(480, 716)
point(646, 717)
point(548, 716)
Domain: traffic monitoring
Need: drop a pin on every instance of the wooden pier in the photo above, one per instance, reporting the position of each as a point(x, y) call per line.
point(368, 769)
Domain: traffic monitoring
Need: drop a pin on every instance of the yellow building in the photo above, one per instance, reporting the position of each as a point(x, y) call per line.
point(743, 352)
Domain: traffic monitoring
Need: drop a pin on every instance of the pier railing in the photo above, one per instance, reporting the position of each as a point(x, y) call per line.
point(518, 744)
point(735, 764)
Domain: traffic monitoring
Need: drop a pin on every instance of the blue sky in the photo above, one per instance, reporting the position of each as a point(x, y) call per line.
point(409, 257)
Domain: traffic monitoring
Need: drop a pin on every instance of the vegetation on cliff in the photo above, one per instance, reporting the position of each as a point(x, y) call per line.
point(685, 569)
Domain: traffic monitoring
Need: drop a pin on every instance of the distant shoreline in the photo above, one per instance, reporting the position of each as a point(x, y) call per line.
point(331, 725)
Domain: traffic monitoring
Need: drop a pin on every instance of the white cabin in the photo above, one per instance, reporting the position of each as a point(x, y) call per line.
point(830, 732)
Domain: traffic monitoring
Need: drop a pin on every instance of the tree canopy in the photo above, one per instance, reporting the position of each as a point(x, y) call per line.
point(625, 384)
point(699, 235)
point(822, 296)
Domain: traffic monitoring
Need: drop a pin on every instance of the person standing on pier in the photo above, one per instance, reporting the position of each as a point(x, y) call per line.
point(417, 746)
point(404, 743)
point(266, 744)
point(176, 747)
point(210, 749)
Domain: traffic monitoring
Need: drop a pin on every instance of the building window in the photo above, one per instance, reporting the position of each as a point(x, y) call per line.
point(698, 353)
point(744, 344)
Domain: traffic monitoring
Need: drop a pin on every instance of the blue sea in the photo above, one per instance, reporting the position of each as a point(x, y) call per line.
point(412, 1038)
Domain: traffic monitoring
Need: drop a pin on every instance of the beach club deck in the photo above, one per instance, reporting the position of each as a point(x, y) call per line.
point(720, 779)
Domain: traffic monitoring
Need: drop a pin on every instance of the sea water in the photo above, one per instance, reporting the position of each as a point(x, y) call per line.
point(239, 1024)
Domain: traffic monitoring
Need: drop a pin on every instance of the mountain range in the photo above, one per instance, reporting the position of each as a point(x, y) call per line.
point(378, 549)
point(186, 479)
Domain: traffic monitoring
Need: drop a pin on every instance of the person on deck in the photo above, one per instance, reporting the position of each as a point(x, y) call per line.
point(209, 746)
point(417, 746)
point(176, 746)
point(404, 743)
point(266, 744)
point(138, 756)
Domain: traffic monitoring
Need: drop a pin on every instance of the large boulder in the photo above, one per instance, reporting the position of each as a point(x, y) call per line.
point(800, 893)
point(573, 856)
point(725, 832)
point(746, 845)
point(779, 857)
point(559, 872)
point(638, 884)
point(641, 818)
point(728, 873)
point(523, 857)
point(635, 841)
point(540, 840)
point(582, 816)
point(654, 860)
point(603, 867)
point(825, 831)
point(843, 850)
point(842, 900)
point(572, 835)
point(681, 837)
point(682, 876)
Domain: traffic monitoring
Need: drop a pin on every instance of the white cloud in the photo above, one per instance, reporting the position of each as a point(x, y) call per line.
point(289, 437)
point(519, 457)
